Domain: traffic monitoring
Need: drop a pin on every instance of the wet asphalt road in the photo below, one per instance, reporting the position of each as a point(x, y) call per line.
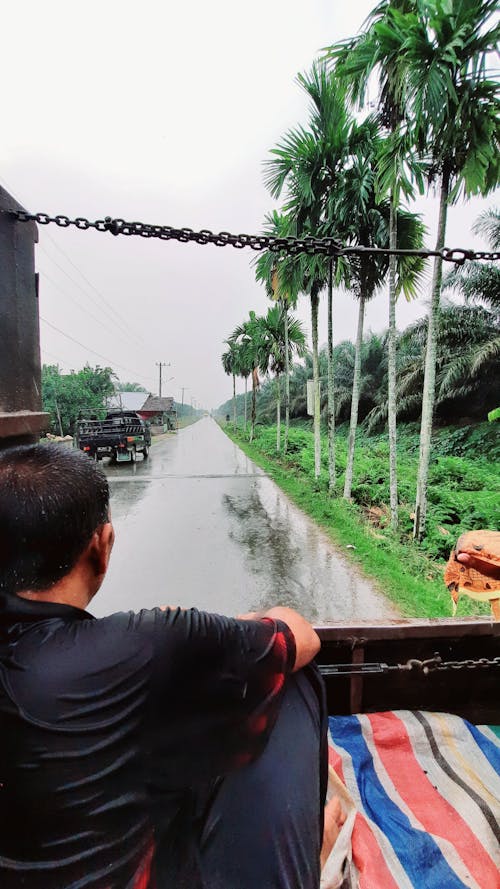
point(199, 524)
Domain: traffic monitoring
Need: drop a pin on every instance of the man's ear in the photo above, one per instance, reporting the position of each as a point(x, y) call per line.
point(100, 547)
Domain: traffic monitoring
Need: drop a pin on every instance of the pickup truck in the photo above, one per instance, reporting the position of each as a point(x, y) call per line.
point(120, 436)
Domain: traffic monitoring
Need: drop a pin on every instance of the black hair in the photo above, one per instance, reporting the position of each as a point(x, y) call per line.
point(52, 500)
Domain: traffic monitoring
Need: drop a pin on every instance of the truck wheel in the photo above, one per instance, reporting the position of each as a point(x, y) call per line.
point(145, 452)
point(132, 455)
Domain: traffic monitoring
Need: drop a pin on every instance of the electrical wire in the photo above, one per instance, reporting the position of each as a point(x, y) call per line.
point(112, 314)
point(80, 305)
point(93, 351)
point(116, 317)
point(88, 296)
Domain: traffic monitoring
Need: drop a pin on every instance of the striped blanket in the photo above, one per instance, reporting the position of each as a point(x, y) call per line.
point(422, 796)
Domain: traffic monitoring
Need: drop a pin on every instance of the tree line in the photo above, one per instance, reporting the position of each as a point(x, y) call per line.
point(86, 393)
point(351, 171)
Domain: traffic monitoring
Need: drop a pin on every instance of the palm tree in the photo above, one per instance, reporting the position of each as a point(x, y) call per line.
point(445, 49)
point(467, 370)
point(480, 282)
point(363, 218)
point(281, 337)
point(280, 277)
point(355, 61)
point(435, 59)
point(308, 162)
point(230, 363)
point(244, 370)
point(248, 340)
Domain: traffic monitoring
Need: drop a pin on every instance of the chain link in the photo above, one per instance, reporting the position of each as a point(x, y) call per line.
point(288, 246)
point(431, 665)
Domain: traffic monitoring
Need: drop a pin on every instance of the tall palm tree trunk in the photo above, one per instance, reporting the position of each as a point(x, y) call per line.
point(246, 394)
point(428, 394)
point(317, 404)
point(234, 402)
point(278, 413)
point(391, 383)
point(331, 387)
point(354, 400)
point(254, 403)
point(287, 377)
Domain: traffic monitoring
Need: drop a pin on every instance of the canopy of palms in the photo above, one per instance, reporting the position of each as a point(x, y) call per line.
point(432, 61)
point(356, 60)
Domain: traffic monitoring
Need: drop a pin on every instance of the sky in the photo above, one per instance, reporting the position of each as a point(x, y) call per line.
point(164, 113)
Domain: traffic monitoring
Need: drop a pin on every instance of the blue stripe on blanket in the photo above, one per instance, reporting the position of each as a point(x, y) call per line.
point(488, 747)
point(417, 851)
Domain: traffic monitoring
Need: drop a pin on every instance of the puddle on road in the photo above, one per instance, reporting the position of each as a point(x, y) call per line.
point(294, 562)
point(199, 524)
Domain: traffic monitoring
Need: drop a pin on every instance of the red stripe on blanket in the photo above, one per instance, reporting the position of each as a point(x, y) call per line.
point(436, 815)
point(366, 853)
point(369, 859)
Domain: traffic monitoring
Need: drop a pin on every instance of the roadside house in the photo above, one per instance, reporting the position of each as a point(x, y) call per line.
point(158, 411)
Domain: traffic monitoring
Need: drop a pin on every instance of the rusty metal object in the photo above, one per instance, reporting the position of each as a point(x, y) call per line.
point(21, 415)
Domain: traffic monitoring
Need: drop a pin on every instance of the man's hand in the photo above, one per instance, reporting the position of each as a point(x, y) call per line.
point(307, 641)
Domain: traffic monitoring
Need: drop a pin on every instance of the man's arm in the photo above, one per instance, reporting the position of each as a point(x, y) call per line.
point(307, 642)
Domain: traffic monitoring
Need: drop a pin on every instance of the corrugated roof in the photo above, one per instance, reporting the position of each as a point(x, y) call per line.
point(158, 405)
point(127, 401)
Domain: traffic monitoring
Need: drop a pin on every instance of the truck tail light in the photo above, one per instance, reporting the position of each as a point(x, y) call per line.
point(130, 438)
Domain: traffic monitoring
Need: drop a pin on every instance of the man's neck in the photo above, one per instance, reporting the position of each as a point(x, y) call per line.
point(68, 591)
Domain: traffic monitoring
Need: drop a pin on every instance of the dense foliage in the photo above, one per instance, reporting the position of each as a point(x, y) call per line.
point(350, 171)
point(468, 372)
point(85, 392)
point(464, 490)
point(68, 396)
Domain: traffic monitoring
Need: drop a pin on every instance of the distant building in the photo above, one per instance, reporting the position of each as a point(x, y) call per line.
point(159, 411)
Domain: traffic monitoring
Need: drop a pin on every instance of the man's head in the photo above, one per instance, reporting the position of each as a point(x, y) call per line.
point(54, 518)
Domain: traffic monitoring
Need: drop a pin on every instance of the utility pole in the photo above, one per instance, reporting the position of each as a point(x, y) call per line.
point(159, 365)
point(184, 388)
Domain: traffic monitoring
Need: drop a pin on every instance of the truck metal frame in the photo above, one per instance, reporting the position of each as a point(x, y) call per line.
point(120, 436)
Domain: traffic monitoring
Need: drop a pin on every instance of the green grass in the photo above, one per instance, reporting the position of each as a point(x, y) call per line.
point(408, 574)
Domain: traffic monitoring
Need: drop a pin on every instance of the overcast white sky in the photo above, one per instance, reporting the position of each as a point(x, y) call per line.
point(161, 112)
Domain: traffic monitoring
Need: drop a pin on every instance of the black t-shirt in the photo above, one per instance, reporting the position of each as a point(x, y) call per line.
point(113, 730)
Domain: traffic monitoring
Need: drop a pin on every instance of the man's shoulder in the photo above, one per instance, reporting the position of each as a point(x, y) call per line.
point(79, 660)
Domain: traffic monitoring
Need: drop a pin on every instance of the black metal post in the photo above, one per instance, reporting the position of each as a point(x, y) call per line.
point(21, 416)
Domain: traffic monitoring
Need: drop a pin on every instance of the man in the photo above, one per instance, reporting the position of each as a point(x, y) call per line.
point(163, 748)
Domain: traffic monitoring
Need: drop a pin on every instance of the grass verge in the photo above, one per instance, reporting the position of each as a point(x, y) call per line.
point(401, 571)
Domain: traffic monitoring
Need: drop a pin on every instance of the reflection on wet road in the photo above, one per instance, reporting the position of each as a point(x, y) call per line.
point(199, 524)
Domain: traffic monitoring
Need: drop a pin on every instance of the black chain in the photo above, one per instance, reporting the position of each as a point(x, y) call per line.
point(288, 246)
point(430, 665)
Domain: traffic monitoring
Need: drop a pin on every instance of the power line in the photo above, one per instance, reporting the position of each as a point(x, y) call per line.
point(51, 355)
point(93, 351)
point(88, 295)
point(106, 302)
point(113, 315)
point(83, 308)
